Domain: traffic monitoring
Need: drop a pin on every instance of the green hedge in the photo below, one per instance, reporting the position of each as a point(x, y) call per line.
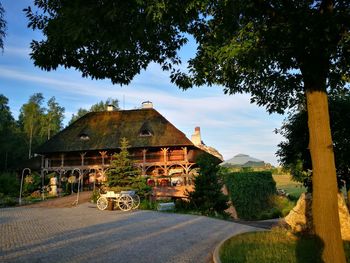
point(250, 192)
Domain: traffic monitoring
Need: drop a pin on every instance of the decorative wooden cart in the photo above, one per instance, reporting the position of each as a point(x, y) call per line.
point(125, 200)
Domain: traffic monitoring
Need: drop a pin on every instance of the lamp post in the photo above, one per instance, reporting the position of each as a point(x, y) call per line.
point(20, 191)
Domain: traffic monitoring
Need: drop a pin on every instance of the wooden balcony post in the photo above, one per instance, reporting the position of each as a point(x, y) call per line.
point(103, 156)
point(144, 152)
point(165, 152)
point(62, 159)
point(82, 155)
point(185, 154)
point(165, 159)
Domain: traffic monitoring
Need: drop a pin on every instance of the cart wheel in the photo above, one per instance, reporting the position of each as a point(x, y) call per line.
point(102, 203)
point(125, 202)
point(136, 201)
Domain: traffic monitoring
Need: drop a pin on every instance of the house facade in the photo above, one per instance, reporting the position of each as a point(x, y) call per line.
point(162, 152)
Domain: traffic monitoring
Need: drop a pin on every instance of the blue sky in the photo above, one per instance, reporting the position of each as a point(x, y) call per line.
point(228, 123)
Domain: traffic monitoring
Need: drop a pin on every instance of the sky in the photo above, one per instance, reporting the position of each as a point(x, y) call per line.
point(230, 124)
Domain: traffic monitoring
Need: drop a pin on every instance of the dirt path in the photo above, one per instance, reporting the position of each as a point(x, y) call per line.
point(66, 201)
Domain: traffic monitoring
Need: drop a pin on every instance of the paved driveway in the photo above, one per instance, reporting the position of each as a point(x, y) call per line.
point(85, 234)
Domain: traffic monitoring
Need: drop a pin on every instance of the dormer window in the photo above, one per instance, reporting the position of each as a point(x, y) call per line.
point(145, 133)
point(84, 137)
point(145, 130)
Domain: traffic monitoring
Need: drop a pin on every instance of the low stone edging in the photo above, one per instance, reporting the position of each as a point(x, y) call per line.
point(216, 257)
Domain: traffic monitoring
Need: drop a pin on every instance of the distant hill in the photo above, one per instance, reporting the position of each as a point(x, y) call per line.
point(243, 160)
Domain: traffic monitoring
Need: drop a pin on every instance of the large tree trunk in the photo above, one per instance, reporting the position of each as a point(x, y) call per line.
point(325, 202)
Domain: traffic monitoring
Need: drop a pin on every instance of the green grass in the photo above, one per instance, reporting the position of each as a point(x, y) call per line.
point(273, 246)
point(284, 181)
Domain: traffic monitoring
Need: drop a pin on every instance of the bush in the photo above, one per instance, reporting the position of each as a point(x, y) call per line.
point(31, 183)
point(9, 184)
point(279, 206)
point(251, 192)
point(183, 205)
point(95, 195)
point(146, 204)
point(6, 201)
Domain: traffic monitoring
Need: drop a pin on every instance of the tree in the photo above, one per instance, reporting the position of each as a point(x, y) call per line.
point(7, 130)
point(281, 52)
point(31, 118)
point(293, 152)
point(207, 196)
point(100, 106)
point(122, 170)
point(2, 27)
point(53, 118)
point(12, 149)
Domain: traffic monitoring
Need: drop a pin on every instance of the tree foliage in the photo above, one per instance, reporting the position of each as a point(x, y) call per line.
point(34, 125)
point(100, 106)
point(11, 140)
point(207, 196)
point(31, 118)
point(38, 123)
point(293, 153)
point(242, 45)
point(53, 118)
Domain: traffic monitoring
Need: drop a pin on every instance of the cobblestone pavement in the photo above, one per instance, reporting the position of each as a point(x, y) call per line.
point(85, 234)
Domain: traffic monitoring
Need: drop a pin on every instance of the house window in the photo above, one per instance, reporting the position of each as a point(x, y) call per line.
point(145, 133)
point(84, 137)
point(145, 130)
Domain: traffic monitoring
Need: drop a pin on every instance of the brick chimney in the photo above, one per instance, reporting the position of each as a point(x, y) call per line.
point(196, 137)
point(147, 105)
point(110, 108)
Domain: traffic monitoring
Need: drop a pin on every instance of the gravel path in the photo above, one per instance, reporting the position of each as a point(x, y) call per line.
point(85, 234)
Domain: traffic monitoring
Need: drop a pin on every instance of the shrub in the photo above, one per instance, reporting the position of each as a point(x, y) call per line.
point(183, 205)
point(279, 206)
point(95, 195)
point(9, 184)
point(251, 192)
point(147, 204)
point(6, 201)
point(31, 183)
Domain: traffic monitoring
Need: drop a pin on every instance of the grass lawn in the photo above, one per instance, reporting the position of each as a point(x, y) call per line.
point(273, 246)
point(284, 181)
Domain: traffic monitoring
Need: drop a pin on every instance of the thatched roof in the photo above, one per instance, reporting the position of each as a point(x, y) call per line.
point(103, 131)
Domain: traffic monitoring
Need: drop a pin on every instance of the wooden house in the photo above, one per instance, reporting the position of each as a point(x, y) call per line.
point(163, 153)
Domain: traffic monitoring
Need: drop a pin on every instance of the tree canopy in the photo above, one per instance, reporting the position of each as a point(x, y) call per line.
point(39, 123)
point(100, 106)
point(35, 124)
point(242, 45)
point(281, 52)
point(10, 140)
point(293, 153)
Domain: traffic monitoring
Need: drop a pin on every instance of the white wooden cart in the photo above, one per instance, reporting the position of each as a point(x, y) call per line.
point(125, 200)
